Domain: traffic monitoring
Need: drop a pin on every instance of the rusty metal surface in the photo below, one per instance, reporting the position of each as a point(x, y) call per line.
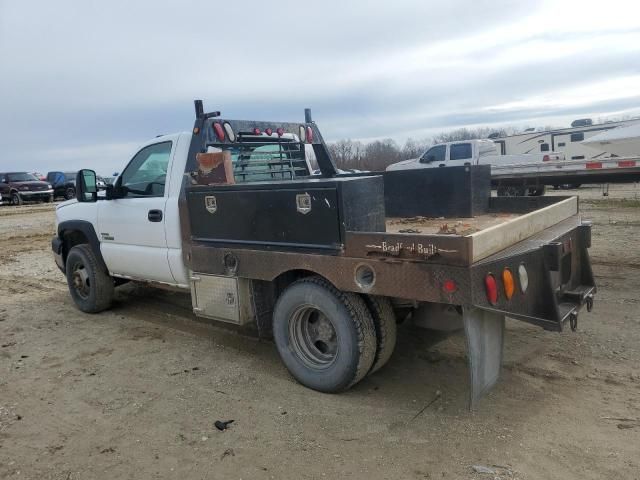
point(437, 249)
point(394, 278)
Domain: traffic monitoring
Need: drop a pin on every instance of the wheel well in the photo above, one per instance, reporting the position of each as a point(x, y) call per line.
point(285, 279)
point(72, 238)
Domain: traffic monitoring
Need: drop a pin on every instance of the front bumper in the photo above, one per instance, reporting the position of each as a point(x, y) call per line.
point(35, 195)
point(560, 279)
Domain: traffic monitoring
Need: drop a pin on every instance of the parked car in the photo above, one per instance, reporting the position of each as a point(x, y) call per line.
point(18, 187)
point(64, 184)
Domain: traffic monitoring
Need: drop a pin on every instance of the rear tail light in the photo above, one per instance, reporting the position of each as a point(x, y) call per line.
point(219, 131)
point(230, 133)
point(309, 135)
point(303, 136)
point(449, 286)
point(524, 278)
point(492, 289)
point(509, 283)
point(546, 158)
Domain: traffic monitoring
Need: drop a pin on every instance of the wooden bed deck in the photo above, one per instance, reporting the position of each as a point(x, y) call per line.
point(447, 226)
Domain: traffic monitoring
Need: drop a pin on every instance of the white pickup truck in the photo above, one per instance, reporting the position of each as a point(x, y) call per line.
point(325, 264)
point(478, 152)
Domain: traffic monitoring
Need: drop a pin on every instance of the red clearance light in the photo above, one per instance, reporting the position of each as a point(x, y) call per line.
point(546, 158)
point(492, 289)
point(309, 134)
point(280, 131)
point(268, 131)
point(256, 131)
point(449, 286)
point(219, 131)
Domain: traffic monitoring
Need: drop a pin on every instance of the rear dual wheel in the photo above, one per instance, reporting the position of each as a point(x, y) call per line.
point(329, 339)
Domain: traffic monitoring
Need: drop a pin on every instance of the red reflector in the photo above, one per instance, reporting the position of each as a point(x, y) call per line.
point(256, 131)
point(219, 131)
point(449, 286)
point(592, 165)
point(280, 131)
point(309, 135)
point(627, 163)
point(492, 289)
point(268, 131)
point(546, 158)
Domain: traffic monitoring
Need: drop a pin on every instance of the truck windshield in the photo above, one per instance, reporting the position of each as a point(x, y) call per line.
point(21, 177)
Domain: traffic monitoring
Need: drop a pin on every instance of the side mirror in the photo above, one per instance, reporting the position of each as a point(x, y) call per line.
point(86, 186)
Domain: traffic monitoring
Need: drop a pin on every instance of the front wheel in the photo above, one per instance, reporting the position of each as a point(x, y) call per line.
point(16, 199)
point(70, 193)
point(326, 338)
point(91, 288)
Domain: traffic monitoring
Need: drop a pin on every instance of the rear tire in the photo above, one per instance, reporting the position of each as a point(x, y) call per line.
point(70, 193)
point(90, 287)
point(326, 338)
point(384, 321)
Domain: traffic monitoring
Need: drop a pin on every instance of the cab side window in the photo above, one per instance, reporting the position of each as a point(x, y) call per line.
point(145, 176)
point(460, 151)
point(434, 154)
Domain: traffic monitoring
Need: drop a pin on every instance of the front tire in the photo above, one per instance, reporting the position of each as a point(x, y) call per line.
point(91, 288)
point(70, 193)
point(16, 199)
point(326, 338)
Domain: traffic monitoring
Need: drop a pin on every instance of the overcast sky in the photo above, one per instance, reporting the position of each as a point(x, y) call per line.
point(82, 83)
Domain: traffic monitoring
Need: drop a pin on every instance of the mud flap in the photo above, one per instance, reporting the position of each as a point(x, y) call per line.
point(484, 333)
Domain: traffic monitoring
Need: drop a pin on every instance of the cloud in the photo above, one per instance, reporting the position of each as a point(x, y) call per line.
point(90, 80)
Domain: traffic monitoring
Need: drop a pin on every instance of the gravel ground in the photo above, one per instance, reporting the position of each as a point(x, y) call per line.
point(134, 392)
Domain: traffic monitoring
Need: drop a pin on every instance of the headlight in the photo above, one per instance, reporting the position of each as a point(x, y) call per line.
point(49, 186)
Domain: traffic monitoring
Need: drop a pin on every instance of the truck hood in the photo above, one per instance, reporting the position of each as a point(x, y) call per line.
point(32, 185)
point(403, 164)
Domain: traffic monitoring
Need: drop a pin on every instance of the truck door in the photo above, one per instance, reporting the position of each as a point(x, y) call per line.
point(435, 156)
point(132, 228)
point(460, 154)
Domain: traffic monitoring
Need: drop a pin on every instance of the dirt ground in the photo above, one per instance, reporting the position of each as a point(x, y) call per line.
point(134, 392)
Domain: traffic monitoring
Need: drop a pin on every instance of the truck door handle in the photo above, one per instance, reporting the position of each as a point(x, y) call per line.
point(155, 215)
